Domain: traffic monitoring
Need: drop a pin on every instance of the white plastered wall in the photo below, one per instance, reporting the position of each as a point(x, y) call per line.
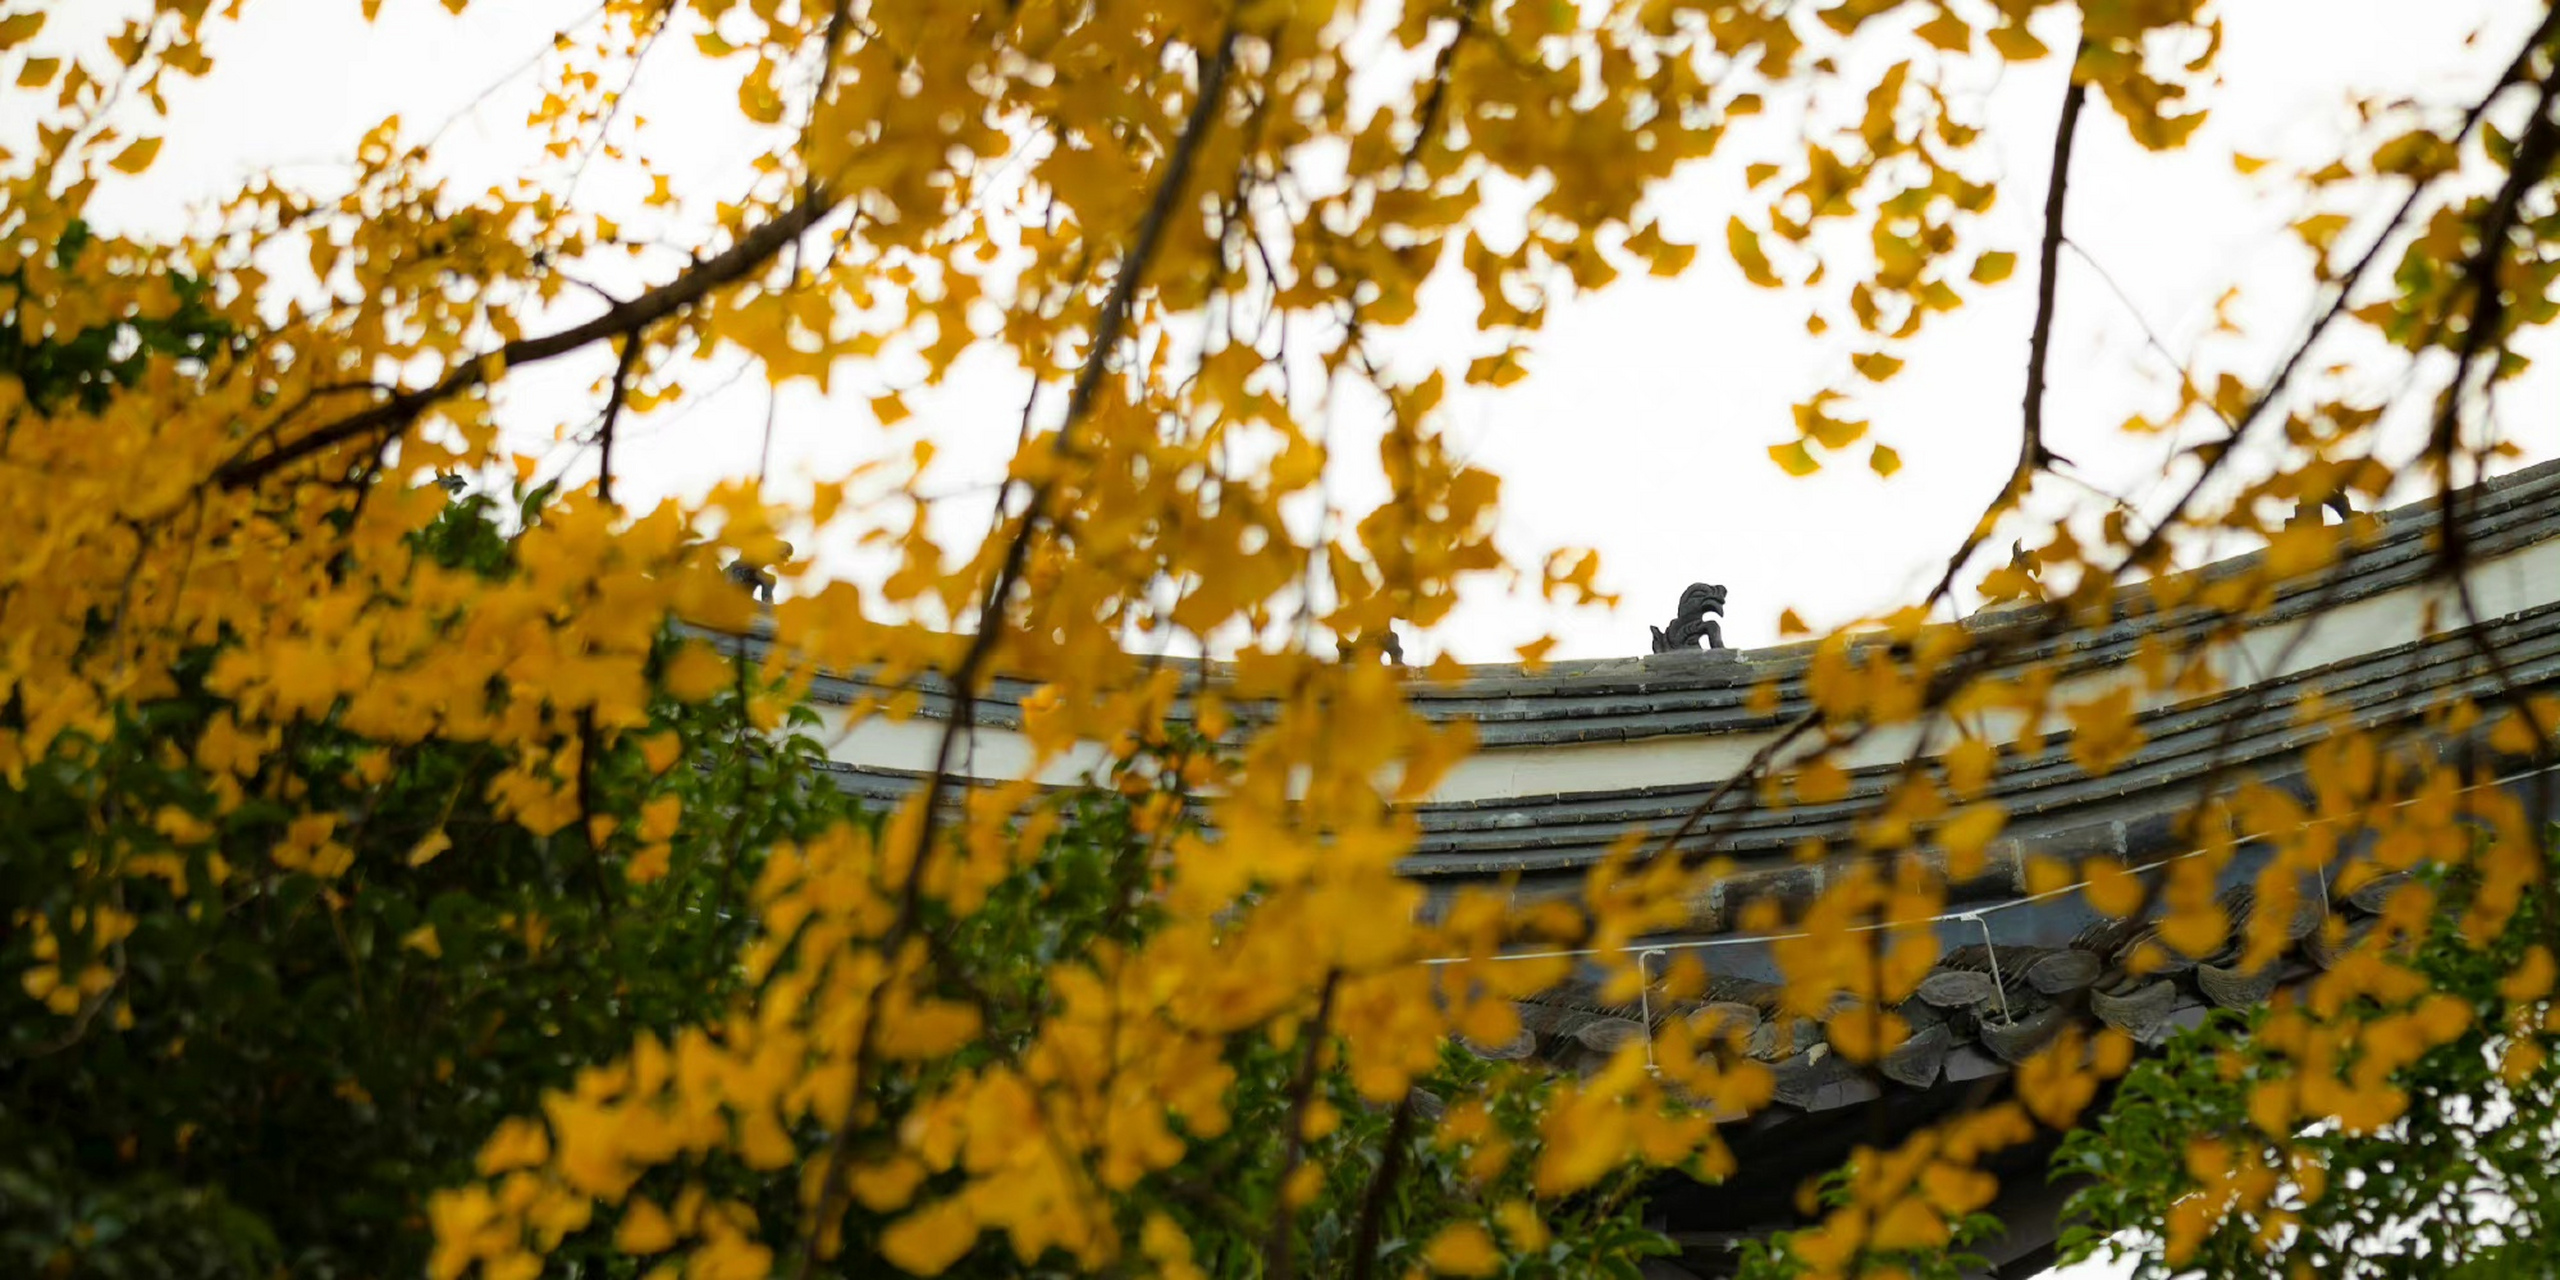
point(2507, 584)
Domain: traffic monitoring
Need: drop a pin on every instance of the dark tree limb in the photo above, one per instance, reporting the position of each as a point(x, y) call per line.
point(389, 417)
point(1373, 1204)
point(2033, 455)
point(2535, 152)
point(619, 391)
point(1110, 326)
point(1279, 1252)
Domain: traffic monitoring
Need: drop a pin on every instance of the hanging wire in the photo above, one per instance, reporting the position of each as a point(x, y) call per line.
point(1646, 953)
point(1998, 987)
point(1644, 998)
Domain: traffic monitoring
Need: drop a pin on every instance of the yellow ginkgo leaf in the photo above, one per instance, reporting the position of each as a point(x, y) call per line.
point(1794, 459)
point(1965, 835)
point(696, 673)
point(1946, 31)
point(1462, 1249)
point(1744, 243)
point(425, 850)
point(2113, 890)
point(645, 1228)
point(137, 156)
point(2017, 44)
point(929, 1240)
point(18, 28)
point(1876, 366)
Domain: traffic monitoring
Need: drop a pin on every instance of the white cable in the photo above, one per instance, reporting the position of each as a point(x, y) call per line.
point(1998, 988)
point(1644, 995)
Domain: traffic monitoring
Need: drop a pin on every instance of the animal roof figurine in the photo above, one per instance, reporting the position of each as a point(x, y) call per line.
point(1692, 622)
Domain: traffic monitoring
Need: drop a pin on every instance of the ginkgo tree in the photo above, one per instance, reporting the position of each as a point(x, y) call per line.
point(274, 689)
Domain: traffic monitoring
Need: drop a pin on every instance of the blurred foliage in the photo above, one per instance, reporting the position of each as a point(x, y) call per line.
point(2205, 1163)
point(266, 1068)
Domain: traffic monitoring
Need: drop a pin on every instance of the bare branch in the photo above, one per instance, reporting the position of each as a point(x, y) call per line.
point(390, 417)
point(2535, 153)
point(1112, 323)
point(2033, 456)
point(1373, 1204)
point(1279, 1255)
point(614, 397)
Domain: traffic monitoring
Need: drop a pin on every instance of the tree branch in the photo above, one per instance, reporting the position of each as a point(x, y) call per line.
point(1435, 100)
point(2534, 154)
point(2143, 551)
point(1947, 683)
point(2033, 456)
point(614, 397)
point(2032, 453)
point(1279, 1254)
point(1109, 327)
point(392, 416)
point(1373, 1205)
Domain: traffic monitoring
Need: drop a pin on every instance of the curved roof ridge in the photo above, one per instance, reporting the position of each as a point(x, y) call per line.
point(1603, 699)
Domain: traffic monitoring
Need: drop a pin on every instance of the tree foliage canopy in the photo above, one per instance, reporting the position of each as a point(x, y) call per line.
point(405, 870)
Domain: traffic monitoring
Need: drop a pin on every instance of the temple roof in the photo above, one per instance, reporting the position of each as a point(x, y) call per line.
point(1575, 756)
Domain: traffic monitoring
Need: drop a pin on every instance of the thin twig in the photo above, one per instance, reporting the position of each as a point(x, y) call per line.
point(614, 396)
point(396, 414)
point(613, 104)
point(1435, 99)
point(2033, 455)
point(2534, 154)
point(2150, 336)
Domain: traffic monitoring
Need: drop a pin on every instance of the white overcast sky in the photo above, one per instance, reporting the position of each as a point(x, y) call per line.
point(1643, 430)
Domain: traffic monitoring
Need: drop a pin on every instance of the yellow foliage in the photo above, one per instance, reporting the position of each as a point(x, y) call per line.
point(2104, 731)
point(2112, 890)
point(697, 674)
point(927, 1241)
point(1462, 1249)
point(2531, 979)
point(1078, 192)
